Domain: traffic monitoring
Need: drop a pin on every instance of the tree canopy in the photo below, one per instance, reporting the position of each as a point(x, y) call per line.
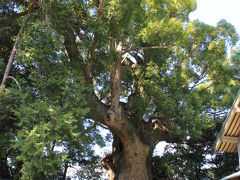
point(138, 68)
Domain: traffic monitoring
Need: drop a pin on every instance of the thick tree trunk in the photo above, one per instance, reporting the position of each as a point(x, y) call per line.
point(130, 156)
point(130, 160)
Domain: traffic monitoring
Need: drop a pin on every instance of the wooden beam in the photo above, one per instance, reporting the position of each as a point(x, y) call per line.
point(218, 144)
point(231, 115)
point(225, 149)
point(237, 109)
point(237, 125)
point(233, 125)
point(230, 147)
point(230, 139)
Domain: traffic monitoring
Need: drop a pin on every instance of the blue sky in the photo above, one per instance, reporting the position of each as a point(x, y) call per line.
point(211, 11)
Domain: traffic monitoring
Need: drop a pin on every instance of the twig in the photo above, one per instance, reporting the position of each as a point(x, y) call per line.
point(10, 77)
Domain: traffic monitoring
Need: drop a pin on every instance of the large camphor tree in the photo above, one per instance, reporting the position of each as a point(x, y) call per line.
point(139, 68)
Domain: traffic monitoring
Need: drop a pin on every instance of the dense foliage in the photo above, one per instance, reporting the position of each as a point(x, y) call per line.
point(195, 159)
point(176, 85)
point(43, 132)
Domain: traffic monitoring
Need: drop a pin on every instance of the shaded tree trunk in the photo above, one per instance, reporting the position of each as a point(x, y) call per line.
point(130, 159)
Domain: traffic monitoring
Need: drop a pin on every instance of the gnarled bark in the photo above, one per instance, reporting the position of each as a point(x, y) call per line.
point(130, 159)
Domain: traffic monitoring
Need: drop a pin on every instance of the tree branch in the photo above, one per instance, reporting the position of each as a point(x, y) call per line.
point(15, 15)
point(71, 48)
point(115, 74)
point(147, 47)
point(14, 50)
point(93, 47)
point(98, 109)
point(198, 81)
